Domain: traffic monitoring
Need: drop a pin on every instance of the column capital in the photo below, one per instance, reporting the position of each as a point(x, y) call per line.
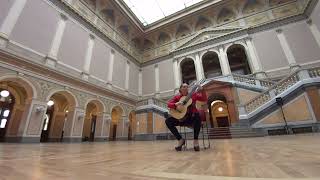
point(156, 65)
point(279, 31)
point(63, 17)
point(249, 38)
point(309, 21)
point(221, 46)
point(92, 37)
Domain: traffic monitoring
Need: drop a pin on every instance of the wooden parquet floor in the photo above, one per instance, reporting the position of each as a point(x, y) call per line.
point(293, 157)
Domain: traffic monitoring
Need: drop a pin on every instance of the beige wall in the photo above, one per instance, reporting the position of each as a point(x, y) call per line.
point(297, 110)
point(148, 80)
point(302, 43)
point(159, 124)
point(245, 95)
point(57, 125)
point(36, 26)
point(142, 127)
point(166, 77)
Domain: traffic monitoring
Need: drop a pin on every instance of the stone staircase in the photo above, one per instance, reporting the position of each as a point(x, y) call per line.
point(257, 108)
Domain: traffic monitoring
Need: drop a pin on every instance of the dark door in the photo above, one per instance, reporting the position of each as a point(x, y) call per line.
point(223, 121)
point(114, 132)
point(46, 125)
point(129, 133)
point(6, 106)
point(93, 127)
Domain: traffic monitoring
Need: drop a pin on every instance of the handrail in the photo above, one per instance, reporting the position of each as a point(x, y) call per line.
point(279, 87)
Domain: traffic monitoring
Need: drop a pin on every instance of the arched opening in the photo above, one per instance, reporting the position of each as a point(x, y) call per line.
point(188, 71)
point(136, 42)
point(58, 118)
point(211, 65)
point(220, 114)
point(238, 60)
point(108, 14)
point(182, 31)
point(147, 44)
point(202, 23)
point(225, 15)
point(252, 6)
point(218, 110)
point(7, 102)
point(15, 100)
point(124, 30)
point(163, 38)
point(116, 122)
point(94, 109)
point(131, 125)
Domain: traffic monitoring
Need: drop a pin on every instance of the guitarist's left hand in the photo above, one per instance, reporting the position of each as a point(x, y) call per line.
point(200, 88)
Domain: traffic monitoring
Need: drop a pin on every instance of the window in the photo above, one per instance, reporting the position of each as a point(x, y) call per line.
point(3, 123)
point(46, 122)
point(149, 11)
point(6, 113)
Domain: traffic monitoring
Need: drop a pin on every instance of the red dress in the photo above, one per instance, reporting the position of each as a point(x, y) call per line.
point(197, 96)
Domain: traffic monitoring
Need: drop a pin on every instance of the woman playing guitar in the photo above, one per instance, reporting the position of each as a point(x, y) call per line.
point(192, 117)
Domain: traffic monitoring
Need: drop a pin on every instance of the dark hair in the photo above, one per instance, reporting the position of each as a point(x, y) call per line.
point(181, 86)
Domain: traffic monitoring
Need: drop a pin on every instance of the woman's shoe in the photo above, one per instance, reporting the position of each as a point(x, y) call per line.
point(196, 148)
point(179, 148)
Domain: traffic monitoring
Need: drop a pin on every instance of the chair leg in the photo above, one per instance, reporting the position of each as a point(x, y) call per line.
point(204, 145)
point(185, 137)
point(208, 134)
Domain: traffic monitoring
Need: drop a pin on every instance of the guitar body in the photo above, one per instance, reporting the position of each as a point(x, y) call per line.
point(180, 113)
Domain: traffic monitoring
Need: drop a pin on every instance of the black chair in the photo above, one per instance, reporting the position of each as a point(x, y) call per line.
point(202, 131)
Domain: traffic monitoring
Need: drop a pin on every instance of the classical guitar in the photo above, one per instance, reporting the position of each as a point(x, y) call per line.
point(180, 112)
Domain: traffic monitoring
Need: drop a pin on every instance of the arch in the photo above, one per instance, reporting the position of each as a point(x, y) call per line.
point(163, 38)
point(69, 96)
point(225, 15)
point(132, 123)
point(215, 100)
point(98, 103)
point(124, 29)
point(182, 31)
point(108, 14)
point(220, 114)
point(252, 6)
point(60, 116)
point(16, 106)
point(188, 70)
point(202, 23)
point(115, 126)
point(238, 59)
point(148, 44)
point(211, 64)
point(137, 42)
point(94, 111)
point(24, 82)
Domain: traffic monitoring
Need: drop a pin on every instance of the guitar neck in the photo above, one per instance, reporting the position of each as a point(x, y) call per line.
point(194, 88)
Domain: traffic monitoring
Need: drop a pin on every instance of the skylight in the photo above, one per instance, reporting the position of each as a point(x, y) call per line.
point(149, 11)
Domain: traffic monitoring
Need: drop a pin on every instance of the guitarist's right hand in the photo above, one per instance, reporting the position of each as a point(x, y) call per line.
point(179, 106)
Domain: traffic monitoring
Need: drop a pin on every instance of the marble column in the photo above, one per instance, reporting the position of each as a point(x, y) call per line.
point(110, 70)
point(51, 59)
point(286, 49)
point(88, 58)
point(224, 63)
point(314, 30)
